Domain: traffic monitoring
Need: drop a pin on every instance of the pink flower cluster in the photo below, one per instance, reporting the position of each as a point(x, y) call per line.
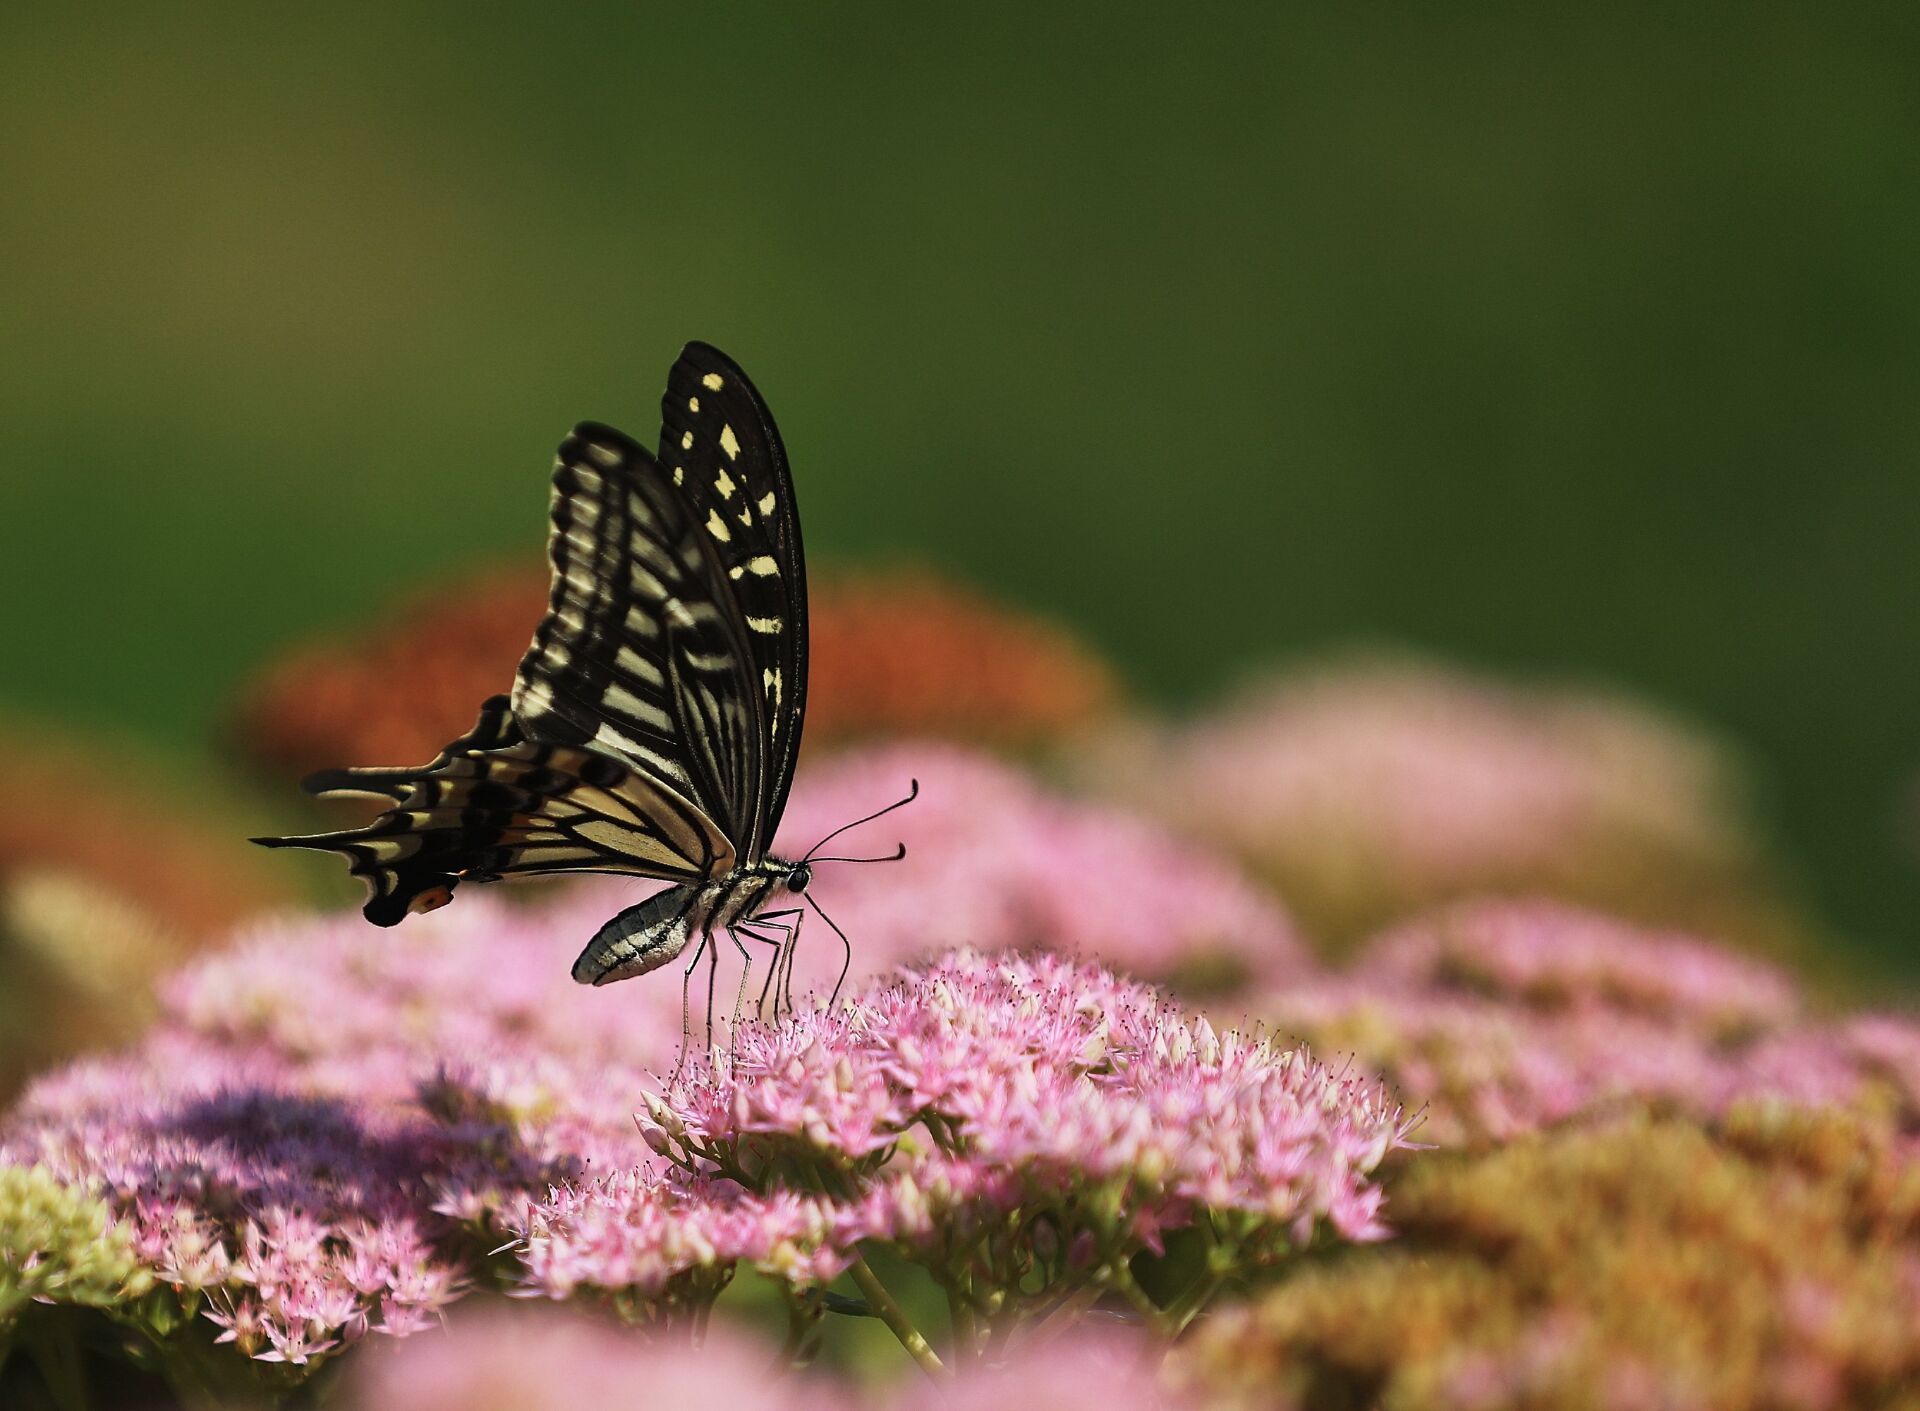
point(662, 1244)
point(1368, 789)
point(491, 1360)
point(1448, 774)
point(1551, 957)
point(933, 1107)
point(1504, 1016)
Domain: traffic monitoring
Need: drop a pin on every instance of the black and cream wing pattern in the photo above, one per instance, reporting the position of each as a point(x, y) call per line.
point(654, 722)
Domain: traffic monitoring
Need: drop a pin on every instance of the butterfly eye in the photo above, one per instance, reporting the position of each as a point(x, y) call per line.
point(798, 878)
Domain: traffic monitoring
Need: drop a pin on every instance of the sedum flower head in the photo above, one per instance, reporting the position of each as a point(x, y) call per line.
point(489, 1359)
point(1500, 1018)
point(661, 1244)
point(495, 1359)
point(978, 1087)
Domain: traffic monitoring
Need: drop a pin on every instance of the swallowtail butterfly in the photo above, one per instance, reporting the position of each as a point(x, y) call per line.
point(653, 724)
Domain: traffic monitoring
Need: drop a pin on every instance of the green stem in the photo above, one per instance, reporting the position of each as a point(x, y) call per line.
point(966, 1332)
point(895, 1317)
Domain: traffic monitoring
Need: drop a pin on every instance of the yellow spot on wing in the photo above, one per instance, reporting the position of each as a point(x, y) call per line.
point(766, 503)
point(679, 475)
point(730, 443)
point(768, 625)
point(724, 484)
point(686, 440)
point(693, 404)
point(763, 566)
point(712, 382)
point(717, 527)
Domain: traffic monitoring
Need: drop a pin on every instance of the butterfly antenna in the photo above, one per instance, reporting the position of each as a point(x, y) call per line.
point(912, 794)
point(893, 856)
point(846, 964)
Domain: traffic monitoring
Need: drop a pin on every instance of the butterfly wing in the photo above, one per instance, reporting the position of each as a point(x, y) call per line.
point(495, 804)
point(676, 630)
point(655, 718)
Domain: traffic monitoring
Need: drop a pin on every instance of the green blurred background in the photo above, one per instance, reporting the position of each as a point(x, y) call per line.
point(1582, 344)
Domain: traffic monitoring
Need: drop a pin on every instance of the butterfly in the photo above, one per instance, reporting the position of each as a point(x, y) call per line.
point(654, 723)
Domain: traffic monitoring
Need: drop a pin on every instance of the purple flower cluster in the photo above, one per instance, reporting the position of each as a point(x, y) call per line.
point(663, 1244)
point(1502, 1017)
point(300, 1220)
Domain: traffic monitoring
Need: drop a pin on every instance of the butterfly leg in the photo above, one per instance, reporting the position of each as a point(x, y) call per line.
point(740, 995)
point(686, 1000)
point(713, 974)
point(783, 962)
point(748, 929)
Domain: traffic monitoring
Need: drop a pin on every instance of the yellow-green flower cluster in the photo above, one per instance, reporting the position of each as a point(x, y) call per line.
point(59, 1244)
point(1771, 1262)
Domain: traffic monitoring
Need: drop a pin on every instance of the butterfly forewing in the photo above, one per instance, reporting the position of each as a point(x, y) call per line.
point(723, 454)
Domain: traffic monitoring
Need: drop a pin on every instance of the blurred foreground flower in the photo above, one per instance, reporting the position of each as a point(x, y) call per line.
point(903, 652)
point(1368, 790)
point(1771, 1263)
point(1498, 1018)
point(499, 1359)
point(493, 1360)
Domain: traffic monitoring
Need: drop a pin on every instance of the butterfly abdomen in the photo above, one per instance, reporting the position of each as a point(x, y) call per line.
point(643, 937)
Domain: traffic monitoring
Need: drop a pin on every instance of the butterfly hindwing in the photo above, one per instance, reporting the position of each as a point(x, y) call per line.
point(496, 729)
point(522, 809)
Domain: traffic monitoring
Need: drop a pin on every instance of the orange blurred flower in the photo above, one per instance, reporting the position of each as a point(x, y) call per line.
point(900, 651)
point(907, 652)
